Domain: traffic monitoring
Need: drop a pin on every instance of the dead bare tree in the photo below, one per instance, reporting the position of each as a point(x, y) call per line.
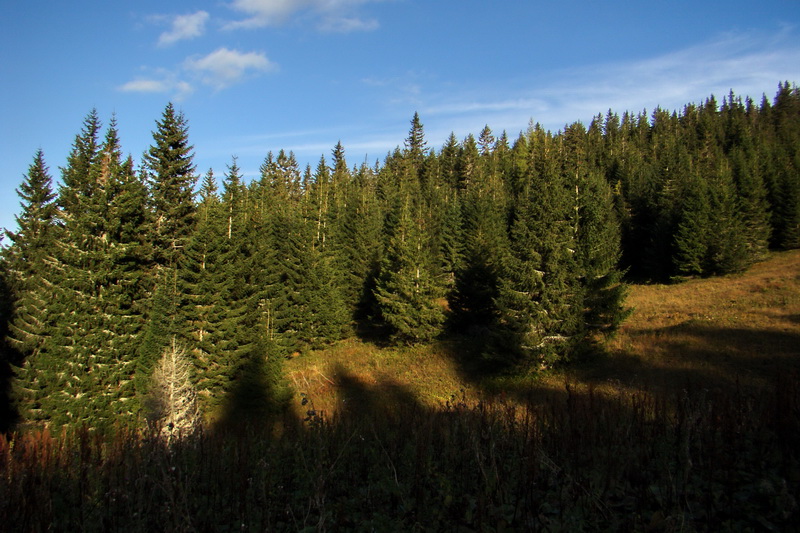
point(171, 405)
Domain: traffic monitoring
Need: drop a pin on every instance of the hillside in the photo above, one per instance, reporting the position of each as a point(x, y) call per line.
point(709, 452)
point(740, 330)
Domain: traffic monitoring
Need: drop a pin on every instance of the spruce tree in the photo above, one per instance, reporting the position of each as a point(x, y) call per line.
point(691, 236)
point(408, 296)
point(171, 175)
point(539, 316)
point(598, 254)
point(78, 178)
point(416, 146)
point(87, 373)
point(596, 232)
point(27, 258)
point(360, 244)
point(28, 276)
point(204, 294)
point(728, 249)
point(484, 241)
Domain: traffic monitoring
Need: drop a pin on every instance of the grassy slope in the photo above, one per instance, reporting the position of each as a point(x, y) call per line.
point(593, 462)
point(739, 331)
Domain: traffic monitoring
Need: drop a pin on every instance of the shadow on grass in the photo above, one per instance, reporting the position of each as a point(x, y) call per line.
point(369, 331)
point(690, 356)
point(259, 395)
point(712, 357)
point(384, 399)
point(794, 319)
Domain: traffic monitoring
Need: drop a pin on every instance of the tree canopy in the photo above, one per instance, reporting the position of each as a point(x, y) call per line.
point(521, 245)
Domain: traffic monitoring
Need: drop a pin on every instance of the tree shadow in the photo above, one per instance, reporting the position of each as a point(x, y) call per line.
point(698, 355)
point(259, 395)
point(9, 357)
point(691, 355)
point(386, 398)
point(793, 319)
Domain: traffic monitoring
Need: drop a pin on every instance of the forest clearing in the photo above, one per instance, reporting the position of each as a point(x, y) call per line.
point(593, 329)
point(738, 332)
point(689, 423)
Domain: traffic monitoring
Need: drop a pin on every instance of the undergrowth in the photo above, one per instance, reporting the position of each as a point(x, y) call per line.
point(637, 461)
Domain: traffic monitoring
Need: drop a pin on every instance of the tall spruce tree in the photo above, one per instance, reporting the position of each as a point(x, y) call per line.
point(539, 317)
point(28, 276)
point(484, 240)
point(87, 373)
point(598, 255)
point(204, 292)
point(360, 243)
point(27, 258)
point(170, 174)
point(408, 296)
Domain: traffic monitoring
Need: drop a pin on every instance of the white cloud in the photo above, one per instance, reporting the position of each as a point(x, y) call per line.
point(164, 82)
point(145, 86)
point(347, 24)
point(185, 27)
point(265, 12)
point(220, 69)
point(223, 67)
point(333, 15)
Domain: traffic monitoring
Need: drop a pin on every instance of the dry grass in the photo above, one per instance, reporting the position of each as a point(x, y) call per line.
point(354, 369)
point(737, 332)
point(740, 330)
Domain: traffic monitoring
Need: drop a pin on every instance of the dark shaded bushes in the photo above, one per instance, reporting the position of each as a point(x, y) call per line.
point(633, 461)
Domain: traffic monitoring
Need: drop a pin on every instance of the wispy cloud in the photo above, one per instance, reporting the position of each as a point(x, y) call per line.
point(339, 16)
point(146, 86)
point(261, 13)
point(184, 27)
point(159, 81)
point(223, 67)
point(219, 70)
point(749, 63)
point(347, 24)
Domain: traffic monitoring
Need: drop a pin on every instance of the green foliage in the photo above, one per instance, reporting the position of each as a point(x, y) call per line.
point(598, 255)
point(26, 260)
point(540, 302)
point(170, 173)
point(521, 247)
point(406, 291)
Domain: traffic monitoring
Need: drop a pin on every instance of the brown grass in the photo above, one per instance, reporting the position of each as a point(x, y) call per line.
point(737, 332)
point(741, 330)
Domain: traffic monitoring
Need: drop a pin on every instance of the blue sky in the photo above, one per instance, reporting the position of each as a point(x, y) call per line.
point(254, 76)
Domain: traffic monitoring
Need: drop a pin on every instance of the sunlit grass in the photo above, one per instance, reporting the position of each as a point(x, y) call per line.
point(733, 331)
point(727, 333)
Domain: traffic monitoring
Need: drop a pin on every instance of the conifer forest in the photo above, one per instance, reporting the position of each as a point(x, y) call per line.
point(151, 296)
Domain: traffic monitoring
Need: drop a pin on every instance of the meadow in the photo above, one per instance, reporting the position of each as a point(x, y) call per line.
point(688, 420)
